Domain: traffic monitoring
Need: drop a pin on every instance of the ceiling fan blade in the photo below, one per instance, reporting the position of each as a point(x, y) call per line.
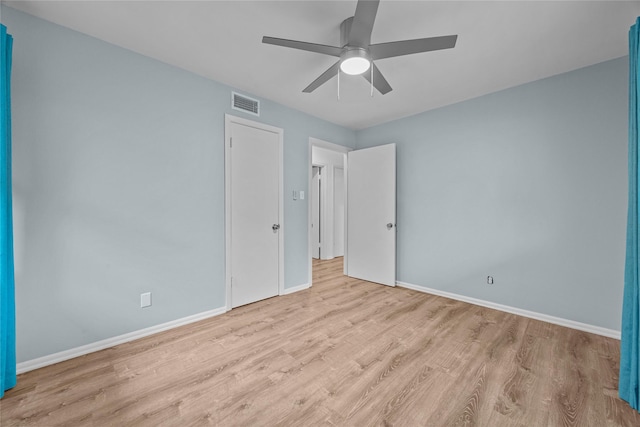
point(362, 25)
point(407, 47)
point(379, 82)
point(324, 77)
point(309, 47)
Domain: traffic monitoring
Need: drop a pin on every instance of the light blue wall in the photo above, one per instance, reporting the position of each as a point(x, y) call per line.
point(119, 187)
point(527, 185)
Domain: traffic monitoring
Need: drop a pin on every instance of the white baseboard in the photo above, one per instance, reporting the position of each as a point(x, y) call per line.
point(50, 359)
point(298, 288)
point(513, 310)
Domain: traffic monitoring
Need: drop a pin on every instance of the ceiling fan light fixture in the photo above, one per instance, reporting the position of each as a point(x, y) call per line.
point(356, 52)
point(355, 61)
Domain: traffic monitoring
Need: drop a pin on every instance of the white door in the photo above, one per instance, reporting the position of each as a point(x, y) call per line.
point(371, 214)
point(254, 211)
point(315, 212)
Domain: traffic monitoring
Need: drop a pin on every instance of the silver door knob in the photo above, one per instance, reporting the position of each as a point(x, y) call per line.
point(275, 227)
point(389, 226)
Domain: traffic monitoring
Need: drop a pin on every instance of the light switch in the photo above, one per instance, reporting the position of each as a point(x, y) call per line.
point(301, 194)
point(295, 195)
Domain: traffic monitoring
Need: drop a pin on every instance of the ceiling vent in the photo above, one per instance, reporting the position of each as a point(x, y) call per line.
point(244, 103)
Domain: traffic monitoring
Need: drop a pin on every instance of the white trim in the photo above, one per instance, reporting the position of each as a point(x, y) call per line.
point(344, 205)
point(294, 289)
point(227, 210)
point(611, 333)
point(315, 142)
point(228, 119)
point(281, 216)
point(51, 359)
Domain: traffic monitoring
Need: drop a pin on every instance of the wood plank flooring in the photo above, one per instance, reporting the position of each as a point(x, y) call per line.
point(343, 353)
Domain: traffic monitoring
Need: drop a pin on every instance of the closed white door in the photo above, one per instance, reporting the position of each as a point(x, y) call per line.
point(254, 163)
point(371, 214)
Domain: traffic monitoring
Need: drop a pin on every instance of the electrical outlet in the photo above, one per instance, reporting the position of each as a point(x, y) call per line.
point(145, 300)
point(489, 280)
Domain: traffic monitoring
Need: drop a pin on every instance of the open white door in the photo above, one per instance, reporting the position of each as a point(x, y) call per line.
point(371, 214)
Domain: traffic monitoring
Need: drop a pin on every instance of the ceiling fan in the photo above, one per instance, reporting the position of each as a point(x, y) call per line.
point(356, 52)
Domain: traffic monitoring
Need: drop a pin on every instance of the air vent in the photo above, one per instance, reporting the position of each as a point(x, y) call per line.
point(244, 103)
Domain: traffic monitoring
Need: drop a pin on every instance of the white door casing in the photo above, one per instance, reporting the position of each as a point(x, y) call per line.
point(371, 214)
point(338, 211)
point(254, 211)
point(315, 212)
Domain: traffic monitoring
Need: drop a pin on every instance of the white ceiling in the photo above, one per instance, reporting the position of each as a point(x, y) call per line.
point(501, 44)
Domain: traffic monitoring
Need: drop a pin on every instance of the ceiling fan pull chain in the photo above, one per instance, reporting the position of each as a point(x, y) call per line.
point(338, 85)
point(371, 79)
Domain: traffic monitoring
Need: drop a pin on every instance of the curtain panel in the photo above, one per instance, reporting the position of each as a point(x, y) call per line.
point(630, 337)
point(7, 298)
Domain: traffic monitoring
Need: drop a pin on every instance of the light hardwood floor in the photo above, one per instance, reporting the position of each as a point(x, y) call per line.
point(346, 353)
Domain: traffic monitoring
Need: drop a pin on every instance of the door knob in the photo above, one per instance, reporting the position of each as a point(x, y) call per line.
point(275, 227)
point(389, 226)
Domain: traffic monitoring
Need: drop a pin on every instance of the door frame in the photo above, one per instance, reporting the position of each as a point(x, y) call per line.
point(344, 207)
point(228, 120)
point(315, 142)
point(322, 196)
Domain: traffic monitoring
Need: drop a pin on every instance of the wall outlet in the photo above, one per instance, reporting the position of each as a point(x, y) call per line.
point(489, 280)
point(145, 299)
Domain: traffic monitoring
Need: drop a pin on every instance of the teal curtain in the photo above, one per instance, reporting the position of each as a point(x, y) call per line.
point(630, 337)
point(7, 299)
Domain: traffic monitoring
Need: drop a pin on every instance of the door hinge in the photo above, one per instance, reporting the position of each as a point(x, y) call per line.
point(231, 142)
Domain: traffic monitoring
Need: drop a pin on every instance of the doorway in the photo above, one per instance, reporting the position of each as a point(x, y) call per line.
point(357, 210)
point(327, 202)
